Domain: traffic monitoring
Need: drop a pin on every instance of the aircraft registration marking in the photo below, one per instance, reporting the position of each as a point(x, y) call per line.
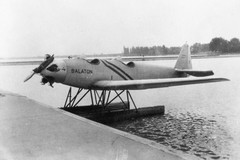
point(82, 71)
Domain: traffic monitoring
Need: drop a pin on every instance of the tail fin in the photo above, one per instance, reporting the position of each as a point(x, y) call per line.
point(184, 64)
point(184, 59)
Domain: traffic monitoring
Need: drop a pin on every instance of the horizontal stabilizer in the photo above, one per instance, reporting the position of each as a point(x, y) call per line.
point(196, 73)
point(152, 83)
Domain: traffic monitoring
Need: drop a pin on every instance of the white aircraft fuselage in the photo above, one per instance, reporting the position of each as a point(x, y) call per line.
point(100, 74)
point(82, 73)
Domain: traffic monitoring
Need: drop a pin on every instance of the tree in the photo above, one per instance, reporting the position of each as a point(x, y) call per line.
point(164, 50)
point(196, 48)
point(204, 47)
point(234, 45)
point(224, 46)
point(174, 50)
point(218, 45)
point(214, 44)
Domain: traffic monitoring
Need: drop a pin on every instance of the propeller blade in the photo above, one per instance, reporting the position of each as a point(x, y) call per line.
point(29, 76)
point(41, 67)
point(44, 64)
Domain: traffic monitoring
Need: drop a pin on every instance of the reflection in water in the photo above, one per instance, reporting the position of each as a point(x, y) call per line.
point(189, 133)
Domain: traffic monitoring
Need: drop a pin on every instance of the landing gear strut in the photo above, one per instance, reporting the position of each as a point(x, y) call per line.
point(100, 98)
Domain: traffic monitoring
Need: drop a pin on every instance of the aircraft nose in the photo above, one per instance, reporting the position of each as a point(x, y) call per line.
point(55, 72)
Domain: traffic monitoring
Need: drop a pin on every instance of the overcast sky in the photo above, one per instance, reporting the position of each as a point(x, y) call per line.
point(69, 27)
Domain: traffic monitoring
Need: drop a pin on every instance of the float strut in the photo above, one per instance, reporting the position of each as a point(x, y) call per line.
point(102, 100)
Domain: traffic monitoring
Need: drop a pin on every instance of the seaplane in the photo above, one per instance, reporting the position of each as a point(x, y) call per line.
point(100, 77)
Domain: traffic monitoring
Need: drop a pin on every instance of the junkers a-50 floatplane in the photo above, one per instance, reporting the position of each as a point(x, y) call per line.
point(99, 78)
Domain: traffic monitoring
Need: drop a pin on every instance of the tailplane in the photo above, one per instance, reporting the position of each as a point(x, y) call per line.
point(184, 64)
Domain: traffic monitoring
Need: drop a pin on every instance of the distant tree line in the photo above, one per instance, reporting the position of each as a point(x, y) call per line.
point(155, 50)
point(224, 46)
point(216, 46)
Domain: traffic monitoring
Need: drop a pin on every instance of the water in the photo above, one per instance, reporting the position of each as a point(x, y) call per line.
point(187, 132)
point(201, 120)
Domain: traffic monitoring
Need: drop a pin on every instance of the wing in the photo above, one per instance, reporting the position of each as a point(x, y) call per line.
point(152, 83)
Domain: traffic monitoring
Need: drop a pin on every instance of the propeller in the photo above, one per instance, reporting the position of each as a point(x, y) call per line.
point(41, 67)
point(29, 76)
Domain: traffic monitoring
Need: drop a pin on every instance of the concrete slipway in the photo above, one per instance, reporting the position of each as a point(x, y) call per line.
point(30, 130)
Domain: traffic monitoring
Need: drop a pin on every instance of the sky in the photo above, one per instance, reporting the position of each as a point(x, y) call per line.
point(74, 27)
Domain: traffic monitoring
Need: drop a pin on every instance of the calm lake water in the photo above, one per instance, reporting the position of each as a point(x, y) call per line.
point(201, 120)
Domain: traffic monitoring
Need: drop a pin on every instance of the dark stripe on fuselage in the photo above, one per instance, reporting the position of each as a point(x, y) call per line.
point(119, 69)
point(114, 70)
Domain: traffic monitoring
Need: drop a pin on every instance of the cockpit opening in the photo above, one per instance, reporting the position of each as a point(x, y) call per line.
point(131, 64)
point(94, 61)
